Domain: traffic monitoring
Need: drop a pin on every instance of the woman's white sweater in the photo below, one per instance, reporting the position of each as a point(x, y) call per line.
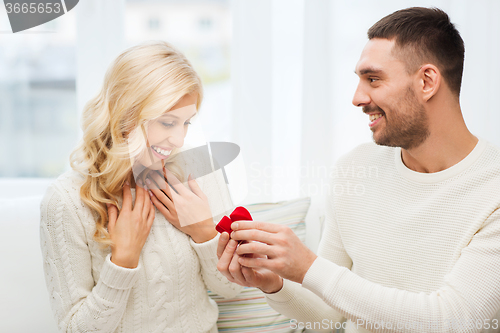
point(167, 292)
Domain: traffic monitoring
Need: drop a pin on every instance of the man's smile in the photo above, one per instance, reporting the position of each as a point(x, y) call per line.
point(375, 118)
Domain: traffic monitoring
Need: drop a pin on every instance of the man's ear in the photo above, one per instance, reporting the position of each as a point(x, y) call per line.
point(430, 81)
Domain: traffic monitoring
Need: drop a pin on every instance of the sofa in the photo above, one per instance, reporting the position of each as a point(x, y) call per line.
point(25, 300)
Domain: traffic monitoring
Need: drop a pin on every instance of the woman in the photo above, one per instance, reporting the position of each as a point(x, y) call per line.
point(126, 257)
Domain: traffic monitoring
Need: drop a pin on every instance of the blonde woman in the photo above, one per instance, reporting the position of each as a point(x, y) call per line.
point(121, 255)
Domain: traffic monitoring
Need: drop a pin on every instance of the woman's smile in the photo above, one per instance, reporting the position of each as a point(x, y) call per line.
point(160, 152)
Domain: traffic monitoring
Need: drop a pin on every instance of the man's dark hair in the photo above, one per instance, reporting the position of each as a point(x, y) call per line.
point(424, 35)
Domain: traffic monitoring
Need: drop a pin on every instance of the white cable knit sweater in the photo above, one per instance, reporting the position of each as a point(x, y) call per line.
point(167, 292)
point(402, 248)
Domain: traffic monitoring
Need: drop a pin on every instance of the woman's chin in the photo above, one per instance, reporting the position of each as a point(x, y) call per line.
point(157, 165)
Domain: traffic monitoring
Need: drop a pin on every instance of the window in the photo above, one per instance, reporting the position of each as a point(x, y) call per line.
point(154, 24)
point(190, 27)
point(205, 24)
point(38, 115)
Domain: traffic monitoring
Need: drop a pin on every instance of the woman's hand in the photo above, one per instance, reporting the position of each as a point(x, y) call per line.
point(156, 184)
point(130, 228)
point(186, 209)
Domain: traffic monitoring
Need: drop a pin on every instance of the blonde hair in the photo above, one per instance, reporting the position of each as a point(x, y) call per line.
point(140, 85)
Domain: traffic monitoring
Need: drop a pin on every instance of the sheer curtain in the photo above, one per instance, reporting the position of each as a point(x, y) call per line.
point(100, 38)
point(293, 82)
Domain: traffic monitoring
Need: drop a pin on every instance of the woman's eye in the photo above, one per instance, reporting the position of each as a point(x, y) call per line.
point(173, 124)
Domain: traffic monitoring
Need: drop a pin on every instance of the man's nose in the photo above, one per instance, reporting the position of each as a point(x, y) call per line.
point(361, 98)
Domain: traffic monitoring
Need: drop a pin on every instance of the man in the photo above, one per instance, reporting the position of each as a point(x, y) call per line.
point(418, 248)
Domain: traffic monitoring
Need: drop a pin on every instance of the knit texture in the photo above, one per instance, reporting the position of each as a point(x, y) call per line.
point(404, 251)
point(167, 292)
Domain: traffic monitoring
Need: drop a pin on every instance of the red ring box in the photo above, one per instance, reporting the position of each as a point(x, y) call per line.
point(238, 214)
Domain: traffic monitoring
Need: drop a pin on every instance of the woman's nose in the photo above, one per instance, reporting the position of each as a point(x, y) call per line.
point(176, 138)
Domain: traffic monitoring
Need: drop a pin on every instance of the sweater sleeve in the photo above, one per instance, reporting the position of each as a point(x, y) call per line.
point(468, 299)
point(79, 304)
point(301, 304)
point(214, 280)
point(221, 204)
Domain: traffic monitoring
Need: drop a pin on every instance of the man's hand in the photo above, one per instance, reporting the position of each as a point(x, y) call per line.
point(229, 266)
point(277, 249)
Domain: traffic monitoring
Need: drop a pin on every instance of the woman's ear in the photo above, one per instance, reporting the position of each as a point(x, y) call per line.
point(430, 81)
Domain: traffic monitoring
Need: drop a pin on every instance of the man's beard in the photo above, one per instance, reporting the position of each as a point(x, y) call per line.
point(406, 129)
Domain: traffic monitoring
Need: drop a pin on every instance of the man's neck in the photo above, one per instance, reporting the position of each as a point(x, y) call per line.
point(444, 147)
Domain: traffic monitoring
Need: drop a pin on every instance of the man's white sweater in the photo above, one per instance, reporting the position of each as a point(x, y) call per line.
point(402, 248)
point(167, 292)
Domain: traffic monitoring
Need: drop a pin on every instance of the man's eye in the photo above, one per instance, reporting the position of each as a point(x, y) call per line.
point(371, 79)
